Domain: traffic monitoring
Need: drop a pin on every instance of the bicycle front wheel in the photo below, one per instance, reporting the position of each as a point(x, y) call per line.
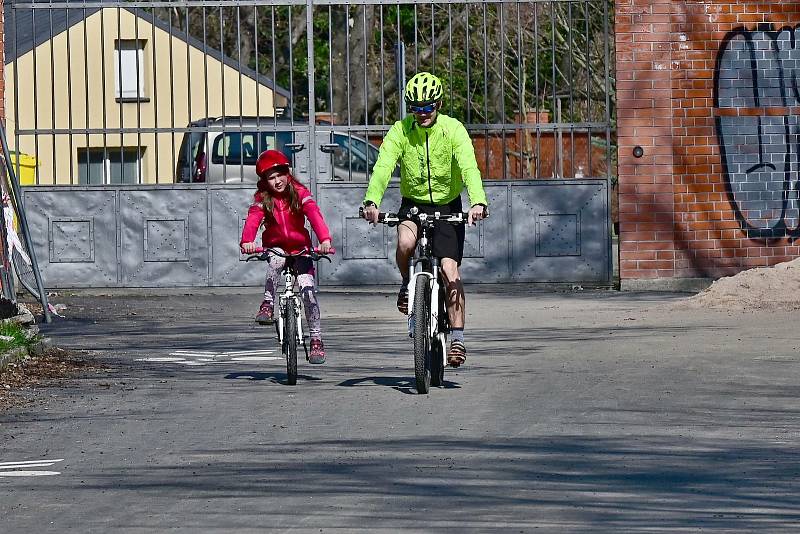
point(290, 341)
point(422, 340)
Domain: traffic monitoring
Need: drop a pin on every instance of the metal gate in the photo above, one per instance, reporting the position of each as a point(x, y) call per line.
point(136, 126)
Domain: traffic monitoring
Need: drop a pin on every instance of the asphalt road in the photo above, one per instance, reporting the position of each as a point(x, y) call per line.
point(591, 411)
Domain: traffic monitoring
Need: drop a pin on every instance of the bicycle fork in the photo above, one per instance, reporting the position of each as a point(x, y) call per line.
point(432, 282)
point(287, 296)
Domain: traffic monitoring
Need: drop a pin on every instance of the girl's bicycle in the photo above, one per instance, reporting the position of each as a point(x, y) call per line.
point(289, 324)
point(428, 322)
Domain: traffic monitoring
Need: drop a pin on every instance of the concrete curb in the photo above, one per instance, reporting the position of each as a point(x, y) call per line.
point(689, 285)
point(20, 353)
point(25, 319)
point(13, 355)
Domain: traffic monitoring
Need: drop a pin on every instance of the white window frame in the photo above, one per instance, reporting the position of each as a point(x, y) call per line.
point(107, 163)
point(129, 81)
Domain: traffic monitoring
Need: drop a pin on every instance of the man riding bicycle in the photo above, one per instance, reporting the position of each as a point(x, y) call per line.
point(437, 160)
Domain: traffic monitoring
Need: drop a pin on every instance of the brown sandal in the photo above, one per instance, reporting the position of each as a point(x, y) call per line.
point(457, 355)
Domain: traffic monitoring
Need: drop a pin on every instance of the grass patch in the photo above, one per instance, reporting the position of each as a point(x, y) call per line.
point(20, 337)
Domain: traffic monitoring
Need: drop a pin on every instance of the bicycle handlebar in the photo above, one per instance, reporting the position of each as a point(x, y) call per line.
point(393, 219)
point(262, 254)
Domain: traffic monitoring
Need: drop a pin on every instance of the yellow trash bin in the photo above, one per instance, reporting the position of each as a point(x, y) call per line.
point(27, 168)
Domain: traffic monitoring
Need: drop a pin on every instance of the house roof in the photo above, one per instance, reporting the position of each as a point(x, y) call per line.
point(28, 28)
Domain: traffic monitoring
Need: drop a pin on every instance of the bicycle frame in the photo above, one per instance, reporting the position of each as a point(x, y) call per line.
point(417, 267)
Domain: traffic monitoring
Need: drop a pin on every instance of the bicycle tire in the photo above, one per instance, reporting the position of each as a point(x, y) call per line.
point(290, 342)
point(422, 340)
point(439, 347)
point(24, 271)
point(437, 362)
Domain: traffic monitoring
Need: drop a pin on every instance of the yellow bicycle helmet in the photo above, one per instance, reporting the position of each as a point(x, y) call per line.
point(423, 88)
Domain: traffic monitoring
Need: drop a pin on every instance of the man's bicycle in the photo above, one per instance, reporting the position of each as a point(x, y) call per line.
point(428, 322)
point(289, 324)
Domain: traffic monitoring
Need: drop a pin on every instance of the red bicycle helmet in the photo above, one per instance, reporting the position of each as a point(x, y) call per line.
point(269, 159)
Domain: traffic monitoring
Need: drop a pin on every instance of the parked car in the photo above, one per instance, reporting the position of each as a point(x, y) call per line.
point(225, 150)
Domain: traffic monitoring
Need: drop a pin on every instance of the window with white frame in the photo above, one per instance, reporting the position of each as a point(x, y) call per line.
point(110, 165)
point(129, 69)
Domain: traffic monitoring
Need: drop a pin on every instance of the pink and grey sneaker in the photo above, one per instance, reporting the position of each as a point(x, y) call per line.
point(265, 314)
point(317, 355)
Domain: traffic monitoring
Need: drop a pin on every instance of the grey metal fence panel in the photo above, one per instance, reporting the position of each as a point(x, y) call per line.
point(163, 237)
point(228, 208)
point(366, 253)
point(538, 231)
point(75, 236)
point(560, 232)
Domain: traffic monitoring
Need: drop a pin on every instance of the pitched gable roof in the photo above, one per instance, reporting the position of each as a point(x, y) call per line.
point(28, 28)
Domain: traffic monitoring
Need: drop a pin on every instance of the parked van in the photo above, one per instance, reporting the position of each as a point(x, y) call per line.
point(225, 150)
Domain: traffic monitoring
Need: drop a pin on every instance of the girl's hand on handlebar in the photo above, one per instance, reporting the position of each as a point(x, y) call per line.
point(248, 248)
point(476, 213)
point(325, 247)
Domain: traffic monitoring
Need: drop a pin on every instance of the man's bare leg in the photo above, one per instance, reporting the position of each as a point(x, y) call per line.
point(455, 293)
point(455, 312)
point(406, 242)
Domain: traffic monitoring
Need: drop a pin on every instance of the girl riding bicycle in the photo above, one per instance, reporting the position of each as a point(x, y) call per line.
point(283, 205)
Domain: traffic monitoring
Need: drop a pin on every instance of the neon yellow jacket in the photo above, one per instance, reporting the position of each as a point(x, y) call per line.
point(435, 163)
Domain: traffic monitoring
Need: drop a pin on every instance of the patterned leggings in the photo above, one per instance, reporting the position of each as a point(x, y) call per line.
point(305, 279)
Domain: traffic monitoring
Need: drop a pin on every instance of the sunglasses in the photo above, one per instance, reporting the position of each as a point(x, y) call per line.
point(422, 109)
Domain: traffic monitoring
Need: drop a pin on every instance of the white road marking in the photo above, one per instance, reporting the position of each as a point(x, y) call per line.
point(244, 352)
point(196, 358)
point(23, 468)
point(38, 464)
point(29, 462)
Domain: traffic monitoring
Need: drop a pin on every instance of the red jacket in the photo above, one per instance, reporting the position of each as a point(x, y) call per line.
point(288, 230)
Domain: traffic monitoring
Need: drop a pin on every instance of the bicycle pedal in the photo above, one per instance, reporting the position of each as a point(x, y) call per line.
point(411, 324)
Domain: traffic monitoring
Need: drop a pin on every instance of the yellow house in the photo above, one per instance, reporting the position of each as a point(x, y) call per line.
point(100, 95)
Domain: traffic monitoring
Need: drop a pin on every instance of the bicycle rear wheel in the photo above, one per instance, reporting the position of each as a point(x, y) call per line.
point(437, 362)
point(290, 341)
point(422, 340)
point(439, 343)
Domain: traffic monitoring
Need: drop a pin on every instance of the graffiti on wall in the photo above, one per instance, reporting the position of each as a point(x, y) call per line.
point(757, 109)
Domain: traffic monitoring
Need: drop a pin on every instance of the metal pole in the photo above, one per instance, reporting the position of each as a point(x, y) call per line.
point(400, 72)
point(312, 112)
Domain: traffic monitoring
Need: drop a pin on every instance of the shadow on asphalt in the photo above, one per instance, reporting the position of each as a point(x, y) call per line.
point(277, 378)
point(402, 384)
point(561, 482)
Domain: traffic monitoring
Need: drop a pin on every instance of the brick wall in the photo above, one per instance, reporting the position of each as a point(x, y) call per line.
point(707, 90)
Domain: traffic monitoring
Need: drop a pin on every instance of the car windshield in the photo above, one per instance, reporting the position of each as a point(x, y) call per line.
point(361, 154)
point(243, 148)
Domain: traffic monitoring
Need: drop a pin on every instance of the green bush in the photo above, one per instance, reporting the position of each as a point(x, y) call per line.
point(21, 336)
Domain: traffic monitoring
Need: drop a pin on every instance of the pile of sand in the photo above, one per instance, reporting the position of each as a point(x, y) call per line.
point(762, 288)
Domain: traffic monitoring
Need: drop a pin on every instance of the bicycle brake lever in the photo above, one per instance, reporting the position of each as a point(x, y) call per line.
point(261, 256)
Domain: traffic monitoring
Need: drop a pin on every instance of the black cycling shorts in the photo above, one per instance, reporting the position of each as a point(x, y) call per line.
point(448, 239)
